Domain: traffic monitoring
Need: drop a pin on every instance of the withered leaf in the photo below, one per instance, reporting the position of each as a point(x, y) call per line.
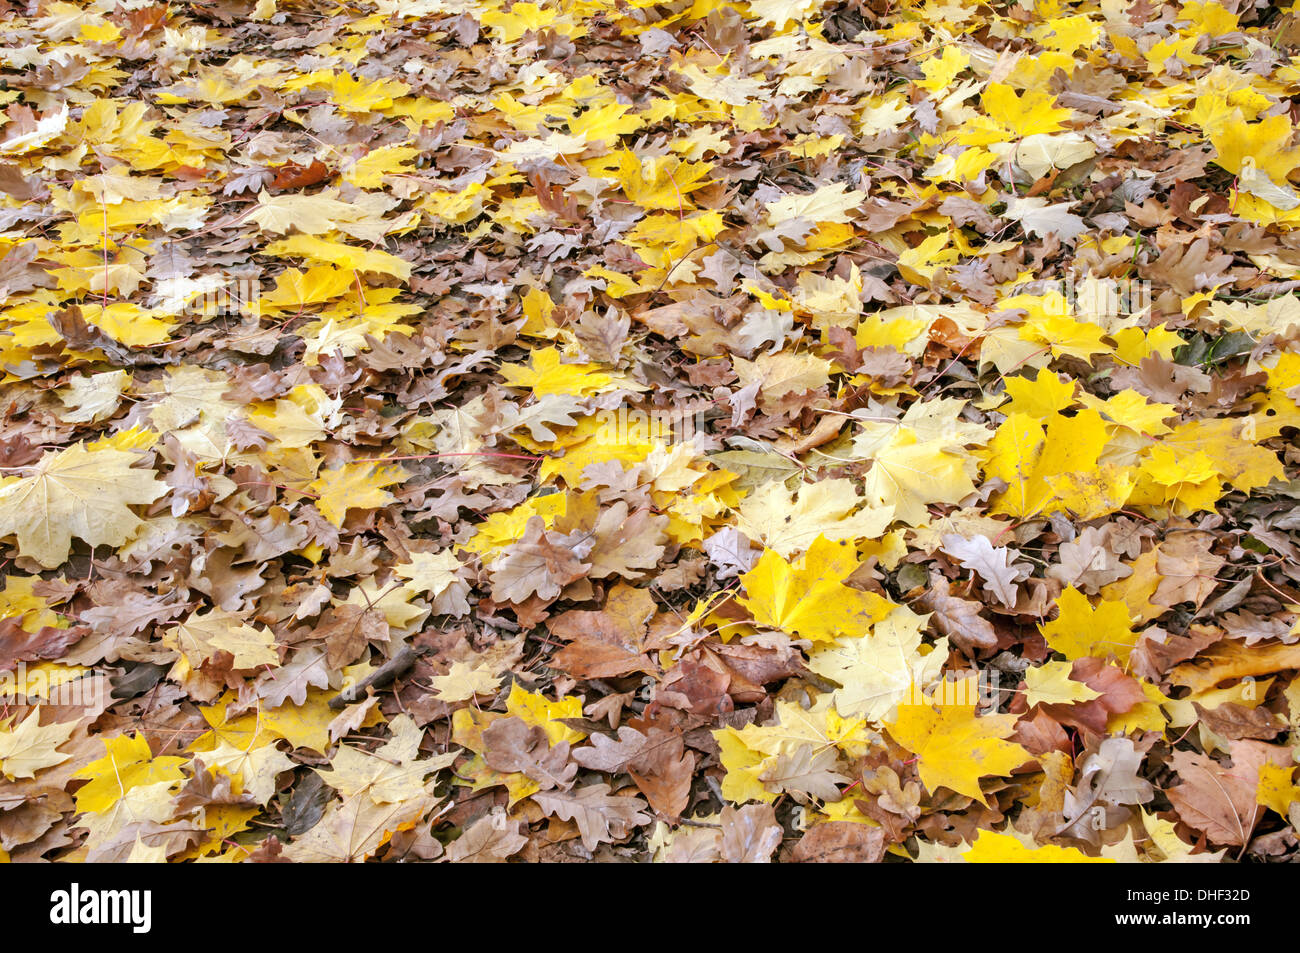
point(840, 842)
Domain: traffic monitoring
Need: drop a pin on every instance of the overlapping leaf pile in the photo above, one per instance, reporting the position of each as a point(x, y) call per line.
point(795, 429)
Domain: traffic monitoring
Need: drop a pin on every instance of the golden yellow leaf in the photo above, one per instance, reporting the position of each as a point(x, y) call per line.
point(954, 747)
point(1081, 630)
point(808, 598)
point(75, 493)
point(990, 847)
point(358, 486)
point(128, 763)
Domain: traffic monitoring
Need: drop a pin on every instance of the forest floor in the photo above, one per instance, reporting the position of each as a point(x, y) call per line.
point(717, 431)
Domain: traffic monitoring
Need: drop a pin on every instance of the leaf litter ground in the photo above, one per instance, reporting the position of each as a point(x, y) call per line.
point(472, 431)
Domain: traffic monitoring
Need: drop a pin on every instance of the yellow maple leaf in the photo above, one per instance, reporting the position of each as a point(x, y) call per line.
point(748, 753)
point(908, 474)
point(1081, 630)
point(1066, 336)
point(508, 26)
point(535, 709)
point(1010, 116)
point(877, 671)
point(253, 769)
point(954, 747)
point(1167, 847)
point(462, 682)
point(296, 289)
point(1146, 715)
point(1130, 409)
point(368, 172)
point(1230, 444)
point(501, 529)
point(1050, 684)
point(660, 182)
point(303, 726)
point(808, 597)
point(1185, 482)
point(941, 70)
point(1275, 789)
point(431, 573)
point(128, 323)
point(29, 747)
point(18, 600)
point(360, 95)
point(829, 203)
point(128, 763)
point(75, 493)
point(1041, 465)
point(392, 773)
point(605, 122)
point(1040, 396)
point(1261, 145)
point(743, 766)
point(991, 847)
point(202, 635)
point(349, 257)
point(358, 486)
point(827, 508)
point(544, 374)
point(1274, 409)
